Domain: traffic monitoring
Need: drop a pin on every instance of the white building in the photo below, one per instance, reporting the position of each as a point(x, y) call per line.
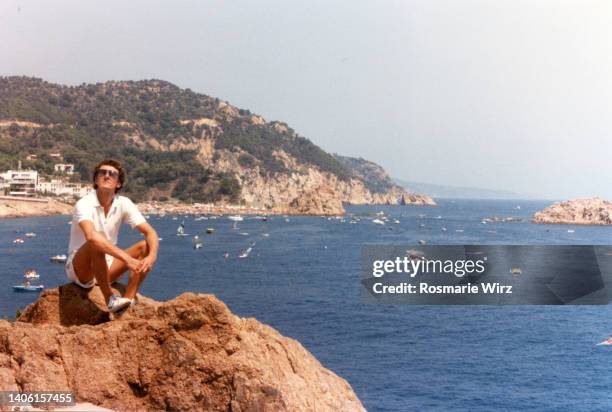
point(67, 168)
point(60, 187)
point(21, 182)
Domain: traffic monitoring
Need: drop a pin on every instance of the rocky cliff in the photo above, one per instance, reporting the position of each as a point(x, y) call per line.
point(190, 353)
point(592, 211)
point(182, 145)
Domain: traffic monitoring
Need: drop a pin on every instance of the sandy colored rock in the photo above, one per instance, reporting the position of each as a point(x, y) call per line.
point(189, 353)
point(591, 211)
point(319, 201)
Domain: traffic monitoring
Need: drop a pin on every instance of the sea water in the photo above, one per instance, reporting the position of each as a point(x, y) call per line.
point(302, 278)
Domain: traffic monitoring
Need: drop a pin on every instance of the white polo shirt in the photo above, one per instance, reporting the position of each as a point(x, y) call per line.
point(122, 210)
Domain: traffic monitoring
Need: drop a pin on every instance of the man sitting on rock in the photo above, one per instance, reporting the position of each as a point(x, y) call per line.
point(93, 256)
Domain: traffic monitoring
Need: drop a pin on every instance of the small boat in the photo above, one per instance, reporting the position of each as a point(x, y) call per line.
point(30, 234)
point(245, 253)
point(226, 255)
point(265, 234)
point(26, 287)
point(606, 342)
point(570, 230)
point(422, 242)
point(58, 258)
point(19, 240)
point(180, 231)
point(287, 220)
point(236, 218)
point(516, 271)
point(396, 221)
point(378, 222)
point(210, 230)
point(31, 274)
point(197, 242)
point(243, 233)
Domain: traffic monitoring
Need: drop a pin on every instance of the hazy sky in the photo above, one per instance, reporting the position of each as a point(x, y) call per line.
point(513, 95)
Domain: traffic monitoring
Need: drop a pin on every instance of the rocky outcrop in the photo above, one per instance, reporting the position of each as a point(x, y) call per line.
point(25, 208)
point(592, 211)
point(319, 201)
point(190, 353)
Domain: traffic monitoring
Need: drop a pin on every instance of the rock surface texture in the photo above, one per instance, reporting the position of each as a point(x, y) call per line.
point(190, 353)
point(592, 211)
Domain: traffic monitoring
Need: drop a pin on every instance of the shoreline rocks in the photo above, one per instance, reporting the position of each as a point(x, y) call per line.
point(589, 211)
point(189, 353)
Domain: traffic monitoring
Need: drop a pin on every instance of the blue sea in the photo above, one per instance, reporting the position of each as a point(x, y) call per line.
point(303, 279)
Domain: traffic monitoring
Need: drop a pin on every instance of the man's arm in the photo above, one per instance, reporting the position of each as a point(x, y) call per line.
point(152, 240)
point(103, 244)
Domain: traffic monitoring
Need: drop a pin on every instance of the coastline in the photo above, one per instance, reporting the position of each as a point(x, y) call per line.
point(19, 208)
point(11, 208)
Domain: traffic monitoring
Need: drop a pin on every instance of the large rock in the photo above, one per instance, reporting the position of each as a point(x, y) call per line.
point(189, 353)
point(592, 211)
point(320, 201)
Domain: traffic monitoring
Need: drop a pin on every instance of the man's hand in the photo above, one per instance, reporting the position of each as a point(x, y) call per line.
point(133, 264)
point(145, 265)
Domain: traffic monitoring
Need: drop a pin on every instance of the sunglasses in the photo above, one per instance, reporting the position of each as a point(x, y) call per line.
point(106, 172)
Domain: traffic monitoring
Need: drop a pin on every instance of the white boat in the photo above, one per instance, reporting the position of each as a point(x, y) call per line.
point(30, 234)
point(26, 287)
point(31, 274)
point(180, 231)
point(19, 240)
point(58, 258)
point(570, 230)
point(378, 222)
point(245, 253)
point(210, 230)
point(236, 218)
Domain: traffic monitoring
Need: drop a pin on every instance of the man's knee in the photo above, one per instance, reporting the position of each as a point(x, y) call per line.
point(143, 248)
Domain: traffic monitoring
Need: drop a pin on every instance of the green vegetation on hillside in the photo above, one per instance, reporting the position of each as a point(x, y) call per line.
point(90, 122)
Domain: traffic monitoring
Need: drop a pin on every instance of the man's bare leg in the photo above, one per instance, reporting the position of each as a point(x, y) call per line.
point(89, 262)
point(138, 250)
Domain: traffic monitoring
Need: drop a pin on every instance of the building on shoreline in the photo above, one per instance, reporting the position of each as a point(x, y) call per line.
point(20, 182)
point(60, 187)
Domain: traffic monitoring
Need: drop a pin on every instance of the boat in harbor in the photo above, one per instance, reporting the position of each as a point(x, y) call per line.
point(27, 287)
point(236, 218)
point(378, 222)
point(30, 234)
point(30, 276)
point(58, 258)
point(180, 231)
point(245, 253)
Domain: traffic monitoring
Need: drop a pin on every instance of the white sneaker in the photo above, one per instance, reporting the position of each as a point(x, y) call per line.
point(116, 303)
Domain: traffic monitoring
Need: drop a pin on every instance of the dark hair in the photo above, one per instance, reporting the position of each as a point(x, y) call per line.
point(116, 165)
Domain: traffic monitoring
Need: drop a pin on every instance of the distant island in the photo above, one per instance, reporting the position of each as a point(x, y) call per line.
point(458, 192)
point(181, 145)
point(590, 211)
